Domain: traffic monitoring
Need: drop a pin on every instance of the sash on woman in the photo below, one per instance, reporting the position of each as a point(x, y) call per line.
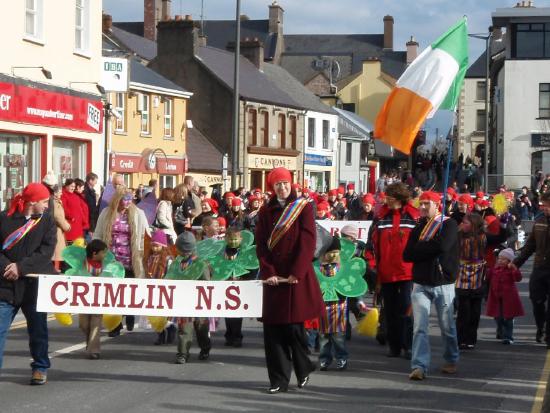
point(287, 218)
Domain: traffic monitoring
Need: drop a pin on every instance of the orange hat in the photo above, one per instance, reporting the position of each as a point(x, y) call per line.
point(278, 175)
point(430, 196)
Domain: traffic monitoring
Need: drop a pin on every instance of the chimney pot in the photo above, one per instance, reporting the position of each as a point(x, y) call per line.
point(188, 17)
point(107, 21)
point(388, 32)
point(412, 50)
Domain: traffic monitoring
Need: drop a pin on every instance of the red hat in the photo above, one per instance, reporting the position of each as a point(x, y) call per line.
point(222, 221)
point(482, 203)
point(341, 190)
point(323, 206)
point(332, 192)
point(381, 196)
point(253, 198)
point(33, 192)
point(466, 199)
point(351, 186)
point(257, 190)
point(306, 191)
point(228, 195)
point(452, 192)
point(493, 224)
point(430, 196)
point(296, 187)
point(480, 194)
point(368, 199)
point(213, 204)
point(278, 175)
point(236, 201)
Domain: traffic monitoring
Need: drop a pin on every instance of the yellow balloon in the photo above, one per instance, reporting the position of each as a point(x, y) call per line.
point(64, 319)
point(500, 204)
point(157, 323)
point(79, 242)
point(368, 326)
point(111, 321)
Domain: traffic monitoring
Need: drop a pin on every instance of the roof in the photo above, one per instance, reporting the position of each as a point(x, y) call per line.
point(142, 76)
point(478, 68)
point(502, 16)
point(352, 125)
point(145, 48)
point(202, 154)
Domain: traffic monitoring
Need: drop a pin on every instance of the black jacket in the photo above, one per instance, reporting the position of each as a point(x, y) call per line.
point(538, 243)
point(435, 262)
point(33, 254)
point(93, 206)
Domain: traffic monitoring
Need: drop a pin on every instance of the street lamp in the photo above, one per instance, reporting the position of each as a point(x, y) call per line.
point(47, 74)
point(487, 37)
point(235, 135)
point(99, 88)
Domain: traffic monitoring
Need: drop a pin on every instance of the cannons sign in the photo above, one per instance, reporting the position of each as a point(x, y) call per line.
point(169, 298)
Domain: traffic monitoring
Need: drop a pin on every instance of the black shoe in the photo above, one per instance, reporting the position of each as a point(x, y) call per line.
point(204, 354)
point(170, 334)
point(302, 383)
point(130, 320)
point(393, 354)
point(463, 346)
point(323, 366)
point(277, 389)
point(381, 339)
point(116, 331)
point(161, 338)
point(341, 364)
point(539, 335)
point(470, 346)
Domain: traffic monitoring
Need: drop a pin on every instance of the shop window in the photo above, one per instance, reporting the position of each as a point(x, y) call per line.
point(82, 26)
point(69, 159)
point(34, 16)
point(348, 152)
point(127, 178)
point(264, 130)
point(311, 132)
point(326, 134)
point(292, 131)
point(281, 130)
point(120, 107)
point(168, 121)
point(167, 181)
point(143, 108)
point(252, 127)
point(480, 90)
point(544, 100)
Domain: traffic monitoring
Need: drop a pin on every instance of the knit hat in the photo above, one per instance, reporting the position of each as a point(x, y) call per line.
point(253, 198)
point(430, 196)
point(222, 222)
point(452, 192)
point(186, 242)
point(257, 190)
point(323, 206)
point(332, 192)
point(33, 192)
point(351, 186)
point(228, 195)
point(49, 179)
point(341, 190)
point(159, 237)
point(368, 199)
point(350, 231)
point(480, 195)
point(466, 199)
point(278, 175)
point(236, 202)
point(297, 187)
point(507, 253)
point(213, 204)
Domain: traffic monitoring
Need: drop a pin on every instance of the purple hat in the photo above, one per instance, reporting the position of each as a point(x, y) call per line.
point(159, 237)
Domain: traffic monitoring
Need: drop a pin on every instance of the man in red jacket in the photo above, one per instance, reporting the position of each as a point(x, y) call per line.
point(396, 220)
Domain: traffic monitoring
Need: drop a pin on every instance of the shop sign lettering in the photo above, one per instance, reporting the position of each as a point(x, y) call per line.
point(5, 102)
point(270, 162)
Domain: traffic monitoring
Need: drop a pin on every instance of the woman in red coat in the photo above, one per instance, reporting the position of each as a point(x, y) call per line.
point(285, 244)
point(73, 211)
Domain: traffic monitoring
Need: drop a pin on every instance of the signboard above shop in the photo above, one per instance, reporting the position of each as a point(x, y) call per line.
point(114, 74)
point(540, 140)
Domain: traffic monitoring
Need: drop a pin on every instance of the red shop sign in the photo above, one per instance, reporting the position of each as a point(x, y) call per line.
point(137, 163)
point(41, 107)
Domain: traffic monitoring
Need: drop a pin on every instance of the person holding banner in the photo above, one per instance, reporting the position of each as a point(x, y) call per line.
point(285, 244)
point(28, 238)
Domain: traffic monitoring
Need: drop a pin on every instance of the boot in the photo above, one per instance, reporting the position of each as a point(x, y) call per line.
point(161, 338)
point(170, 334)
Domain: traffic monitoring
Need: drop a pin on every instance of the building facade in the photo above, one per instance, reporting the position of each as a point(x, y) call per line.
point(51, 112)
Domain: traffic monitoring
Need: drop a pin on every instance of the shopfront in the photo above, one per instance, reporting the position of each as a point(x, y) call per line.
point(318, 172)
point(259, 167)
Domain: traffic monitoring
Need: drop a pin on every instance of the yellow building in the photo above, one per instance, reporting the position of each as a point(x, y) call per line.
point(149, 129)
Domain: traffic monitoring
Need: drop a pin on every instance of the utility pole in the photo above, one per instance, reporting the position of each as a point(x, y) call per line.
point(235, 136)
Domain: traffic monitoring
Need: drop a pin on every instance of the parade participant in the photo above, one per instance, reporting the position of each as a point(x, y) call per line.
point(504, 303)
point(353, 203)
point(539, 287)
point(79, 192)
point(235, 217)
point(62, 227)
point(433, 249)
point(209, 209)
point(394, 224)
point(156, 261)
point(367, 213)
point(251, 214)
point(323, 211)
point(465, 205)
point(222, 225)
point(225, 208)
point(182, 208)
point(338, 209)
point(122, 226)
point(298, 189)
point(73, 211)
point(451, 204)
point(186, 247)
point(472, 243)
point(28, 240)
point(285, 242)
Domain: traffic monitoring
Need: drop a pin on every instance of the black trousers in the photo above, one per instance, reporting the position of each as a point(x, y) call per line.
point(130, 319)
point(539, 290)
point(233, 330)
point(397, 314)
point(468, 314)
point(286, 347)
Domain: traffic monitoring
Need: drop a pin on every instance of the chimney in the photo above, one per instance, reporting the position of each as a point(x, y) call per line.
point(252, 49)
point(178, 37)
point(275, 18)
point(107, 23)
point(412, 50)
point(166, 10)
point(388, 32)
point(203, 40)
point(151, 12)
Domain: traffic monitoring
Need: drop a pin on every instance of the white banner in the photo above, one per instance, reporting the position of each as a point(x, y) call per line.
point(128, 296)
point(335, 226)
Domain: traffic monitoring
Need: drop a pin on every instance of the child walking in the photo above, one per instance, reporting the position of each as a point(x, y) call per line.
point(156, 261)
point(504, 303)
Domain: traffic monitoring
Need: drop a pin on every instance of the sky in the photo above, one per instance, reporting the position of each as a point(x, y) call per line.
point(426, 20)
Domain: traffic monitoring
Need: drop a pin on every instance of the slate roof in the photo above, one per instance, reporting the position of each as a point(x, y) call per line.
point(477, 69)
point(143, 75)
point(145, 48)
point(202, 154)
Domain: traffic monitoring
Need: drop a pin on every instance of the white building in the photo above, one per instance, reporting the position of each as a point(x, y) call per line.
point(50, 108)
point(520, 142)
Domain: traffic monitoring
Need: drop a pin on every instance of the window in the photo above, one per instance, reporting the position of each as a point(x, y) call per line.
point(168, 118)
point(282, 129)
point(167, 181)
point(264, 130)
point(349, 107)
point(480, 121)
point(531, 41)
point(144, 108)
point(81, 28)
point(544, 100)
point(348, 152)
point(292, 131)
point(311, 132)
point(252, 127)
point(326, 133)
point(120, 107)
point(127, 180)
point(480, 91)
point(33, 18)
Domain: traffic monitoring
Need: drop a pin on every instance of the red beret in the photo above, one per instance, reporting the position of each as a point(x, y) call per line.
point(306, 191)
point(323, 206)
point(253, 198)
point(466, 199)
point(332, 192)
point(341, 190)
point(33, 192)
point(381, 196)
point(257, 190)
point(480, 194)
point(222, 221)
point(452, 192)
point(297, 187)
point(236, 202)
point(430, 196)
point(213, 204)
point(351, 186)
point(482, 203)
point(228, 195)
point(279, 175)
point(368, 199)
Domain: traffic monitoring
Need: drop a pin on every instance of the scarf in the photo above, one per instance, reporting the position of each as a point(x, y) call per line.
point(17, 235)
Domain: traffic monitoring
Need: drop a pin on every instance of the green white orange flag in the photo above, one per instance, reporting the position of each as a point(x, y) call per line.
point(432, 81)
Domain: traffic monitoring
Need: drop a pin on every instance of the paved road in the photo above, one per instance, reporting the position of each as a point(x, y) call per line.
point(135, 376)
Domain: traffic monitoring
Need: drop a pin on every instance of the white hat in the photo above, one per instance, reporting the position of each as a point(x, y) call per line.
point(49, 179)
point(507, 253)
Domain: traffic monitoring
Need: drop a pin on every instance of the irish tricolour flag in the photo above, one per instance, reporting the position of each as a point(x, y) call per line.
point(433, 81)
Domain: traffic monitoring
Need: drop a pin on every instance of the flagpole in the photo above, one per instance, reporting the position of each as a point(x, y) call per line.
point(447, 170)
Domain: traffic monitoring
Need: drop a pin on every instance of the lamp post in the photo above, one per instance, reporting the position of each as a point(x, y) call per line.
point(235, 136)
point(487, 37)
point(47, 74)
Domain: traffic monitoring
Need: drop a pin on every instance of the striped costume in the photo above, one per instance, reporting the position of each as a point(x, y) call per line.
point(335, 317)
point(472, 262)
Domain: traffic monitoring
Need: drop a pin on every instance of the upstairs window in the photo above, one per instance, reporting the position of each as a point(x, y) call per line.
point(326, 133)
point(311, 132)
point(480, 91)
point(292, 131)
point(282, 130)
point(252, 127)
point(168, 113)
point(264, 129)
point(544, 100)
point(120, 107)
point(34, 17)
point(531, 41)
point(480, 121)
point(143, 107)
point(82, 26)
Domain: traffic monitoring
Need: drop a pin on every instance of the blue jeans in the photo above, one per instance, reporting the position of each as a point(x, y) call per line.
point(37, 327)
point(422, 298)
point(505, 328)
point(333, 344)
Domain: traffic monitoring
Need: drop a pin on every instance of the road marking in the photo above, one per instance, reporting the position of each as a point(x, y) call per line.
point(543, 382)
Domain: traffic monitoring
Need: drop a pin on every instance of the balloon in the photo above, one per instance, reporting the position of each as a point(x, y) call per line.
point(111, 321)
point(368, 326)
point(500, 205)
point(65, 319)
point(79, 242)
point(157, 323)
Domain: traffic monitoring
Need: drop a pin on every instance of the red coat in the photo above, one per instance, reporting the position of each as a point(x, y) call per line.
point(73, 214)
point(502, 286)
point(390, 237)
point(85, 212)
point(293, 255)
